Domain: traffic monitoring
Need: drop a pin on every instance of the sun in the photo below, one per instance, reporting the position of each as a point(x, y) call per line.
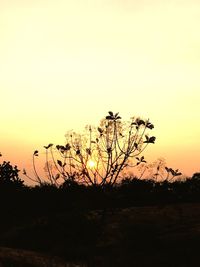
point(91, 164)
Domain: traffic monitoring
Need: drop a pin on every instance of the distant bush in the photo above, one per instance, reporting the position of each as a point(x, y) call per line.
point(9, 175)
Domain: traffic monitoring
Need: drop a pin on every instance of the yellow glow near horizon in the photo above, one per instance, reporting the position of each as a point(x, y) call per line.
point(91, 164)
point(64, 64)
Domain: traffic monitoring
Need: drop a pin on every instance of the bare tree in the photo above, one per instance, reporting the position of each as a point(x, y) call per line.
point(101, 154)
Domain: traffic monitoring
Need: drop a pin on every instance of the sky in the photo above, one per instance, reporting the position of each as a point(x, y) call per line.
point(65, 64)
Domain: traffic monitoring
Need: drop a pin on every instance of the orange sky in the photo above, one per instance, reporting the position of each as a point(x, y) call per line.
point(64, 64)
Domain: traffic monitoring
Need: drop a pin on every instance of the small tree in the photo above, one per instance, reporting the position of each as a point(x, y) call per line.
point(101, 154)
point(9, 175)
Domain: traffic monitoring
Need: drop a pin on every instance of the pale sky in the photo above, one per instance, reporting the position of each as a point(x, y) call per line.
point(64, 64)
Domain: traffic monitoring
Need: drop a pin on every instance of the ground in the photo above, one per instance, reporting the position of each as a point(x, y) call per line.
point(165, 235)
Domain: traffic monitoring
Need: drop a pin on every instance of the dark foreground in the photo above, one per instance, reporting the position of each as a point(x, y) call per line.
point(165, 235)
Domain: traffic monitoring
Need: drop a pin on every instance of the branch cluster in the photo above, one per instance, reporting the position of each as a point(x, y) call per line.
point(98, 156)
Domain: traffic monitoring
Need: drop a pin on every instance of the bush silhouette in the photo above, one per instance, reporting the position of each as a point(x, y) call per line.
point(9, 175)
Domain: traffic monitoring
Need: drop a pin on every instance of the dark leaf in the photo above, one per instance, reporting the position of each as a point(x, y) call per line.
point(67, 147)
point(152, 139)
point(88, 151)
point(47, 147)
point(136, 145)
point(140, 122)
point(150, 125)
point(167, 169)
point(62, 149)
point(173, 172)
point(36, 153)
point(78, 152)
point(111, 113)
point(109, 118)
point(59, 163)
point(100, 130)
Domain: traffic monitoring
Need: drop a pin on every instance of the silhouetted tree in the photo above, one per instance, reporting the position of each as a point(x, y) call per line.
point(9, 175)
point(100, 155)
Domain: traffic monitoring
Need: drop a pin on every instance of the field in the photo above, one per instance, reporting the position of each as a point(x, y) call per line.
point(165, 235)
